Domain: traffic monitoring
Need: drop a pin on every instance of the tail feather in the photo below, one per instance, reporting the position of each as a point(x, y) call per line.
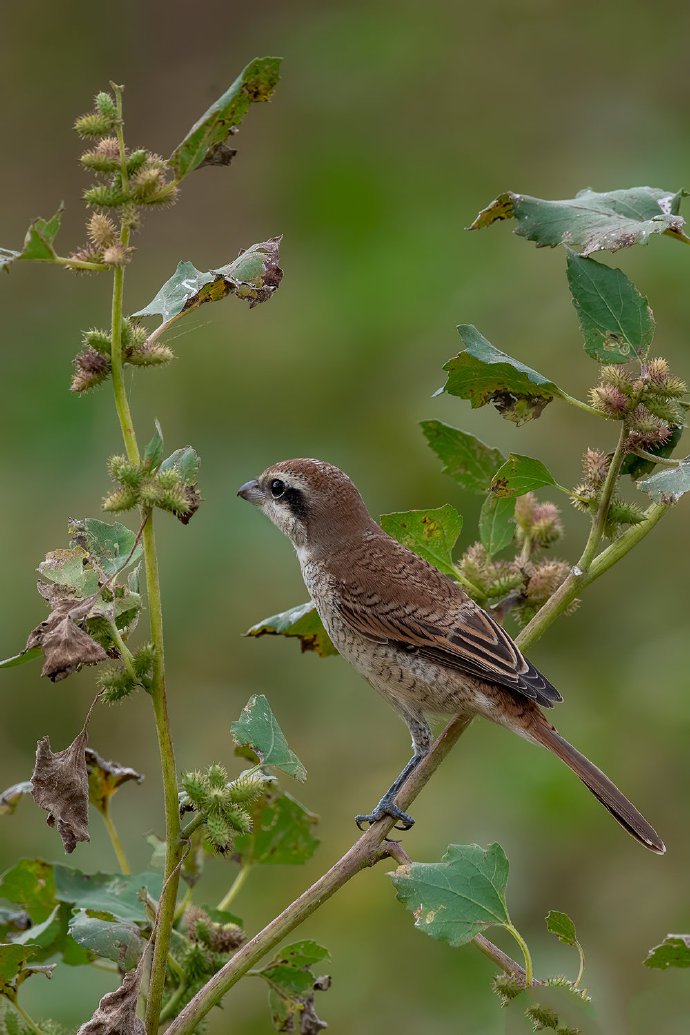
point(601, 787)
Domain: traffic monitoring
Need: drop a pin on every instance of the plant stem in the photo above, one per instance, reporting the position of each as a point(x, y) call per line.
point(25, 1017)
point(580, 405)
point(362, 854)
point(577, 580)
point(662, 460)
point(170, 1007)
point(236, 886)
point(596, 533)
point(166, 904)
point(115, 841)
point(125, 653)
point(75, 264)
point(529, 971)
point(581, 971)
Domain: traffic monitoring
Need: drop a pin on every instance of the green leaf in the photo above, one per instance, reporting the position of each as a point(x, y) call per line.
point(19, 659)
point(303, 622)
point(107, 544)
point(292, 985)
point(669, 485)
point(496, 524)
point(561, 926)
point(465, 458)
point(12, 960)
point(118, 894)
point(430, 533)
point(31, 884)
point(302, 954)
point(201, 145)
point(590, 221)
point(615, 319)
point(674, 951)
point(38, 243)
point(185, 461)
point(455, 899)
point(281, 831)
point(254, 275)
point(103, 935)
point(483, 374)
point(153, 454)
point(10, 798)
point(258, 728)
point(69, 568)
point(520, 474)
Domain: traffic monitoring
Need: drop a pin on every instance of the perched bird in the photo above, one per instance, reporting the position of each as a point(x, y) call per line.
point(412, 632)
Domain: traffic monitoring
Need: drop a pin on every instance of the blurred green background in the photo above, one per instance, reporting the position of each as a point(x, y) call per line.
point(392, 126)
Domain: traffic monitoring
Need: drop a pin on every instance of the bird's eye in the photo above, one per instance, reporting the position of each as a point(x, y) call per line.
point(277, 488)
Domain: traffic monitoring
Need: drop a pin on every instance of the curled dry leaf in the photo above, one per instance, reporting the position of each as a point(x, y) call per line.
point(105, 778)
point(10, 798)
point(61, 787)
point(65, 645)
point(116, 1012)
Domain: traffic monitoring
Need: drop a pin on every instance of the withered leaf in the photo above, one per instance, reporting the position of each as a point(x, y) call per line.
point(65, 645)
point(61, 787)
point(116, 1012)
point(105, 778)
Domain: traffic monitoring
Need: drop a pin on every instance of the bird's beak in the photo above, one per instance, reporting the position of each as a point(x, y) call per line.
point(251, 491)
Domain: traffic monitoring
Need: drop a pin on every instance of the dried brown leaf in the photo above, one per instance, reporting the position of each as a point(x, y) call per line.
point(66, 646)
point(61, 787)
point(116, 1012)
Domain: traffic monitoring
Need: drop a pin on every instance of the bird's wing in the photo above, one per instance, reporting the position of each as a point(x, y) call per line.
point(435, 619)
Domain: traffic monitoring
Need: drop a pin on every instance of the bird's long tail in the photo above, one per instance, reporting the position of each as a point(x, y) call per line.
point(600, 786)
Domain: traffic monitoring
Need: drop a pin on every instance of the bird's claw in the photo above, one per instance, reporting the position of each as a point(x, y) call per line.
point(386, 808)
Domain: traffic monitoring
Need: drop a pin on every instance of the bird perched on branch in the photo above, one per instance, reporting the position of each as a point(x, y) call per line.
point(412, 632)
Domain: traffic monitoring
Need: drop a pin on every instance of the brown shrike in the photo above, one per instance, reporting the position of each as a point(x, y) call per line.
point(412, 632)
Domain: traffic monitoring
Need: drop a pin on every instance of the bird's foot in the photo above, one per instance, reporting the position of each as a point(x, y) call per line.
point(386, 807)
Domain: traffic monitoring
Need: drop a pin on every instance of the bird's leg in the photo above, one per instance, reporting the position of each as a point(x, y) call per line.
point(421, 744)
point(387, 806)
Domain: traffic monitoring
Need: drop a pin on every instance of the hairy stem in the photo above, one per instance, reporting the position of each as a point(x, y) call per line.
point(580, 405)
point(166, 905)
point(596, 533)
point(122, 861)
point(75, 264)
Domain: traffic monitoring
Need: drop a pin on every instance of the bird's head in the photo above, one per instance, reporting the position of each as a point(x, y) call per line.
point(313, 503)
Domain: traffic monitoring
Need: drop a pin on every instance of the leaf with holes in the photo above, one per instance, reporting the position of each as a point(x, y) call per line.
point(302, 622)
point(520, 474)
point(483, 374)
point(292, 985)
point(206, 142)
point(591, 221)
point(258, 728)
point(455, 899)
point(107, 544)
point(616, 322)
point(430, 533)
point(465, 458)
